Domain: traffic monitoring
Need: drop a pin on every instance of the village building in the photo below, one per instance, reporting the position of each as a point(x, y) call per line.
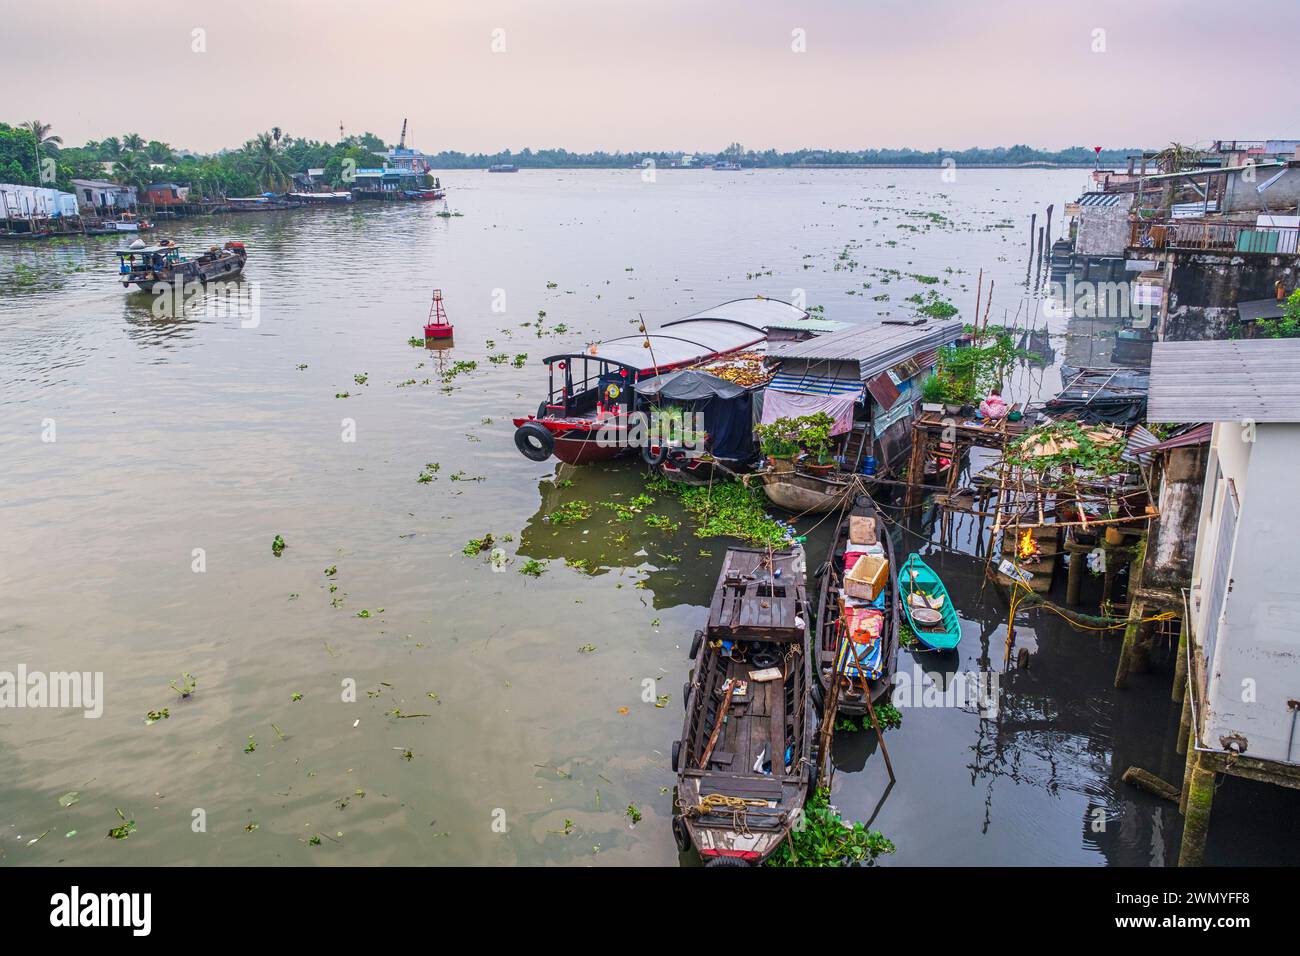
point(99, 196)
point(1239, 656)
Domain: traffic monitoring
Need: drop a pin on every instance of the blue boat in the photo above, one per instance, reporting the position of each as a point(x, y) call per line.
point(928, 607)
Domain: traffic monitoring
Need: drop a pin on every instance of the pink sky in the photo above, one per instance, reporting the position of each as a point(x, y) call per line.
point(672, 74)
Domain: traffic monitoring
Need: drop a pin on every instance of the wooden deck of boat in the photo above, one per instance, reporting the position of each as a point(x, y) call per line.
point(751, 600)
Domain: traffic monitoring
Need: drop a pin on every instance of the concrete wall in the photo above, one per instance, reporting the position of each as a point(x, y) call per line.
point(1206, 287)
point(1170, 554)
point(1281, 197)
point(1255, 667)
point(1103, 231)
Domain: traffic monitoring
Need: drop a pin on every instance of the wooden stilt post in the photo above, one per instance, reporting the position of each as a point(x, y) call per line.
point(1074, 583)
point(1180, 664)
point(1185, 724)
point(1132, 634)
point(1189, 748)
point(1196, 821)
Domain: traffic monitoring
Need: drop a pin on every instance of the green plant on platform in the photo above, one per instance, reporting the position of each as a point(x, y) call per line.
point(1287, 327)
point(1075, 448)
point(934, 390)
point(775, 439)
point(826, 839)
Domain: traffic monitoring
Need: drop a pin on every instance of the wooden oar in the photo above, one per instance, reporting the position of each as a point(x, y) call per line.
point(871, 708)
point(717, 727)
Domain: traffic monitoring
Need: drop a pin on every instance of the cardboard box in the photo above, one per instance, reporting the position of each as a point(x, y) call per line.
point(862, 529)
point(868, 577)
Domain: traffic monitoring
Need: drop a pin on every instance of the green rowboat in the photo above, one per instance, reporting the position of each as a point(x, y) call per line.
point(929, 610)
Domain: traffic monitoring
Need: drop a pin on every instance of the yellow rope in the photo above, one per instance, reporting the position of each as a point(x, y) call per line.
point(1016, 599)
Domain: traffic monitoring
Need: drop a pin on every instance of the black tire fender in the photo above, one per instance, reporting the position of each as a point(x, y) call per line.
point(681, 836)
point(653, 457)
point(677, 752)
point(534, 441)
point(697, 642)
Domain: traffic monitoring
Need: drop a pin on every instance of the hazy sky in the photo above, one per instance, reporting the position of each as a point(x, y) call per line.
point(688, 74)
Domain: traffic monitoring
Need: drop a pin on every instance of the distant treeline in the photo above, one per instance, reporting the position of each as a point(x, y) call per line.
point(32, 154)
point(997, 156)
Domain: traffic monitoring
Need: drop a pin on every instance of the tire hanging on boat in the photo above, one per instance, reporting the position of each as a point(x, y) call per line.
point(652, 457)
point(534, 441)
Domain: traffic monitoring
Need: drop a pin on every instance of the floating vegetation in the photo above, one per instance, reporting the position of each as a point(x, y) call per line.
point(251, 745)
point(415, 342)
point(638, 504)
point(570, 512)
point(278, 546)
point(933, 305)
point(499, 359)
point(476, 545)
point(728, 508)
point(124, 829)
point(361, 378)
point(586, 648)
point(332, 570)
point(905, 636)
point(519, 360)
point(662, 523)
point(826, 839)
point(295, 697)
point(342, 394)
point(533, 568)
point(462, 476)
point(153, 716)
point(430, 471)
point(188, 682)
point(633, 814)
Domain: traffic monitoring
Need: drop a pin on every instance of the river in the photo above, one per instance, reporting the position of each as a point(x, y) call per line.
point(499, 718)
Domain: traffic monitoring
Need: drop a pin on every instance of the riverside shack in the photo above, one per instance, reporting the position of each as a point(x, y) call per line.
point(872, 370)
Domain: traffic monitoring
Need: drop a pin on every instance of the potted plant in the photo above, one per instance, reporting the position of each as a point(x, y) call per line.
point(776, 441)
point(933, 393)
point(814, 436)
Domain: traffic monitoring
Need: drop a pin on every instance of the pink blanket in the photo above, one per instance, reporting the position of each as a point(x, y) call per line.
point(788, 405)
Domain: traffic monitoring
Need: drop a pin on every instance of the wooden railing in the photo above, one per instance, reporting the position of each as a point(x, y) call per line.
point(1214, 236)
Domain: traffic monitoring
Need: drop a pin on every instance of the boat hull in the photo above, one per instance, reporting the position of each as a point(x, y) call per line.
point(854, 702)
point(928, 581)
point(807, 494)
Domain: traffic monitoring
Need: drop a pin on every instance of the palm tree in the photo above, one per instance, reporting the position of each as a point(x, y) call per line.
point(265, 162)
point(41, 133)
point(131, 170)
point(158, 152)
point(111, 147)
point(132, 142)
point(275, 134)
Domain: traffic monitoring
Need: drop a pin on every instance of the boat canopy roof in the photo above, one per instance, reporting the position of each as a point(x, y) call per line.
point(147, 250)
point(682, 343)
point(733, 325)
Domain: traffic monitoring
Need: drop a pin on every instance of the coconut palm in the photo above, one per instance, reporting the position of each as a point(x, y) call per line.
point(131, 170)
point(265, 162)
point(157, 152)
point(132, 142)
point(41, 133)
point(111, 147)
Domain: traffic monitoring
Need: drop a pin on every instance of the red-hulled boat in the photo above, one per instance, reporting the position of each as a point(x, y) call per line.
point(588, 415)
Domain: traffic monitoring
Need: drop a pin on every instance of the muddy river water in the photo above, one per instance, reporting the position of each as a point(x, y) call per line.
point(147, 464)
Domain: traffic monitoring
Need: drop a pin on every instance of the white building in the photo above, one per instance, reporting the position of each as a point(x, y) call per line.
point(1243, 613)
point(35, 202)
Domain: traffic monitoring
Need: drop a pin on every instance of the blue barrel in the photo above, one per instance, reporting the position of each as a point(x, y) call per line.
point(869, 465)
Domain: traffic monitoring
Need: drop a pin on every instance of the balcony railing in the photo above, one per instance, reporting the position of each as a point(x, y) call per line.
point(1214, 236)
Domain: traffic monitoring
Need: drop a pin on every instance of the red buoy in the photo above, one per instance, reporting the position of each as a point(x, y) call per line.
point(438, 327)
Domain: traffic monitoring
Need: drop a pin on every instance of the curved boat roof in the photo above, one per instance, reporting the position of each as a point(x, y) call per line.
point(728, 327)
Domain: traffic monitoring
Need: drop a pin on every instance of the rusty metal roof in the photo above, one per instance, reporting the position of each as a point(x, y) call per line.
point(1225, 381)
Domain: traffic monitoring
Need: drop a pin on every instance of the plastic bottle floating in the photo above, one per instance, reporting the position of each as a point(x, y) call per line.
point(438, 326)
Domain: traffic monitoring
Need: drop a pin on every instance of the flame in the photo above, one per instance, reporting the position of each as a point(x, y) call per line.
point(1027, 547)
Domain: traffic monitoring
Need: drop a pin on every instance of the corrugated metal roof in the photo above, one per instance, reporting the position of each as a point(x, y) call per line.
point(1254, 379)
point(875, 346)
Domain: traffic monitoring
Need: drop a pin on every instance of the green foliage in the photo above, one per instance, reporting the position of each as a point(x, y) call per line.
point(570, 512)
point(1075, 448)
point(786, 436)
point(825, 839)
point(1287, 327)
point(728, 509)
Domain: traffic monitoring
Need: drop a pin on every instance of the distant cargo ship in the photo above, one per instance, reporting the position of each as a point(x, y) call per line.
point(503, 168)
point(725, 166)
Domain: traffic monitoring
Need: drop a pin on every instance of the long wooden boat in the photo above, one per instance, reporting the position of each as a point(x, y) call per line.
point(744, 761)
point(591, 411)
point(806, 492)
point(881, 656)
point(919, 591)
point(150, 266)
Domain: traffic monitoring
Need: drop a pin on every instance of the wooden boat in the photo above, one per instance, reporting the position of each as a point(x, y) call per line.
point(592, 412)
point(927, 605)
point(150, 266)
point(807, 492)
point(880, 656)
point(744, 761)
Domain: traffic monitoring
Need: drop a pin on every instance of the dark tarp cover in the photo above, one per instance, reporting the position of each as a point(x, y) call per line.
point(727, 408)
point(687, 385)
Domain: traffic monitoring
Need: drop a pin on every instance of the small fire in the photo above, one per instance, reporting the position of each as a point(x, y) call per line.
point(1027, 547)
